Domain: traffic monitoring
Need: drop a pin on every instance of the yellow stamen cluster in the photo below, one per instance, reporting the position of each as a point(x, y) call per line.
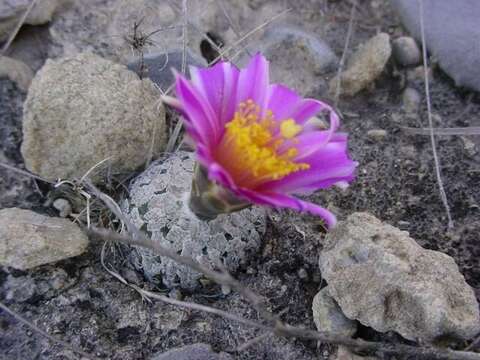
point(250, 147)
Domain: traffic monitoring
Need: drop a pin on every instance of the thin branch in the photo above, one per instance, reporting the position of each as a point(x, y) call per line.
point(233, 26)
point(227, 49)
point(177, 9)
point(344, 53)
point(471, 130)
point(253, 341)
point(441, 189)
point(43, 333)
point(204, 308)
point(26, 173)
point(17, 27)
point(184, 35)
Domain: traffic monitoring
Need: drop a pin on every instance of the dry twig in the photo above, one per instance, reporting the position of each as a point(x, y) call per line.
point(17, 28)
point(441, 189)
point(471, 130)
point(344, 53)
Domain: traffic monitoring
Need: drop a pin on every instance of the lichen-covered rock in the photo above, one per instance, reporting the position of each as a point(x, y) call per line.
point(328, 316)
point(16, 71)
point(384, 279)
point(82, 110)
point(365, 65)
point(28, 239)
point(300, 59)
point(11, 11)
point(157, 205)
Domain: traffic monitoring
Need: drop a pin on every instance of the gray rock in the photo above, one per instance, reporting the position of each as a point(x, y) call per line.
point(328, 316)
point(197, 351)
point(411, 100)
point(452, 32)
point(28, 239)
point(82, 110)
point(157, 205)
point(158, 66)
point(106, 28)
point(406, 51)
point(384, 279)
point(299, 58)
point(377, 134)
point(365, 65)
point(16, 71)
point(11, 11)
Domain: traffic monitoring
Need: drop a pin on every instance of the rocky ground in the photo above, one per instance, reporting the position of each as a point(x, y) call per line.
point(382, 97)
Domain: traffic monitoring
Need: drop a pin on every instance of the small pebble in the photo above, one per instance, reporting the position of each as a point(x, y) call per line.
point(411, 100)
point(63, 206)
point(468, 145)
point(302, 274)
point(377, 134)
point(418, 73)
point(406, 51)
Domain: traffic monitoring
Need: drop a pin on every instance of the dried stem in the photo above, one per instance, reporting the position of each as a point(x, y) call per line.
point(441, 189)
point(344, 53)
point(471, 130)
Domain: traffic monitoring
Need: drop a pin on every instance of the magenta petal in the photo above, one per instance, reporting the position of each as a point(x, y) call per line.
point(309, 108)
point(329, 162)
point(218, 85)
point(282, 101)
point(198, 112)
point(253, 82)
point(284, 201)
point(314, 141)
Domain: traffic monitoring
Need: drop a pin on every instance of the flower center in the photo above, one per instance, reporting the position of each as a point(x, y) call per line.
point(256, 149)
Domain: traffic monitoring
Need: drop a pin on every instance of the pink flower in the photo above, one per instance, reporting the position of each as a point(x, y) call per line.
point(253, 138)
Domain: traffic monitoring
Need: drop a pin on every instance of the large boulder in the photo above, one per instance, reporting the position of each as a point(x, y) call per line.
point(28, 239)
point(452, 34)
point(381, 277)
point(84, 109)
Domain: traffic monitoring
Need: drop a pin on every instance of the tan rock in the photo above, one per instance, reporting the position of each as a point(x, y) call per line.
point(366, 64)
point(28, 239)
point(84, 109)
